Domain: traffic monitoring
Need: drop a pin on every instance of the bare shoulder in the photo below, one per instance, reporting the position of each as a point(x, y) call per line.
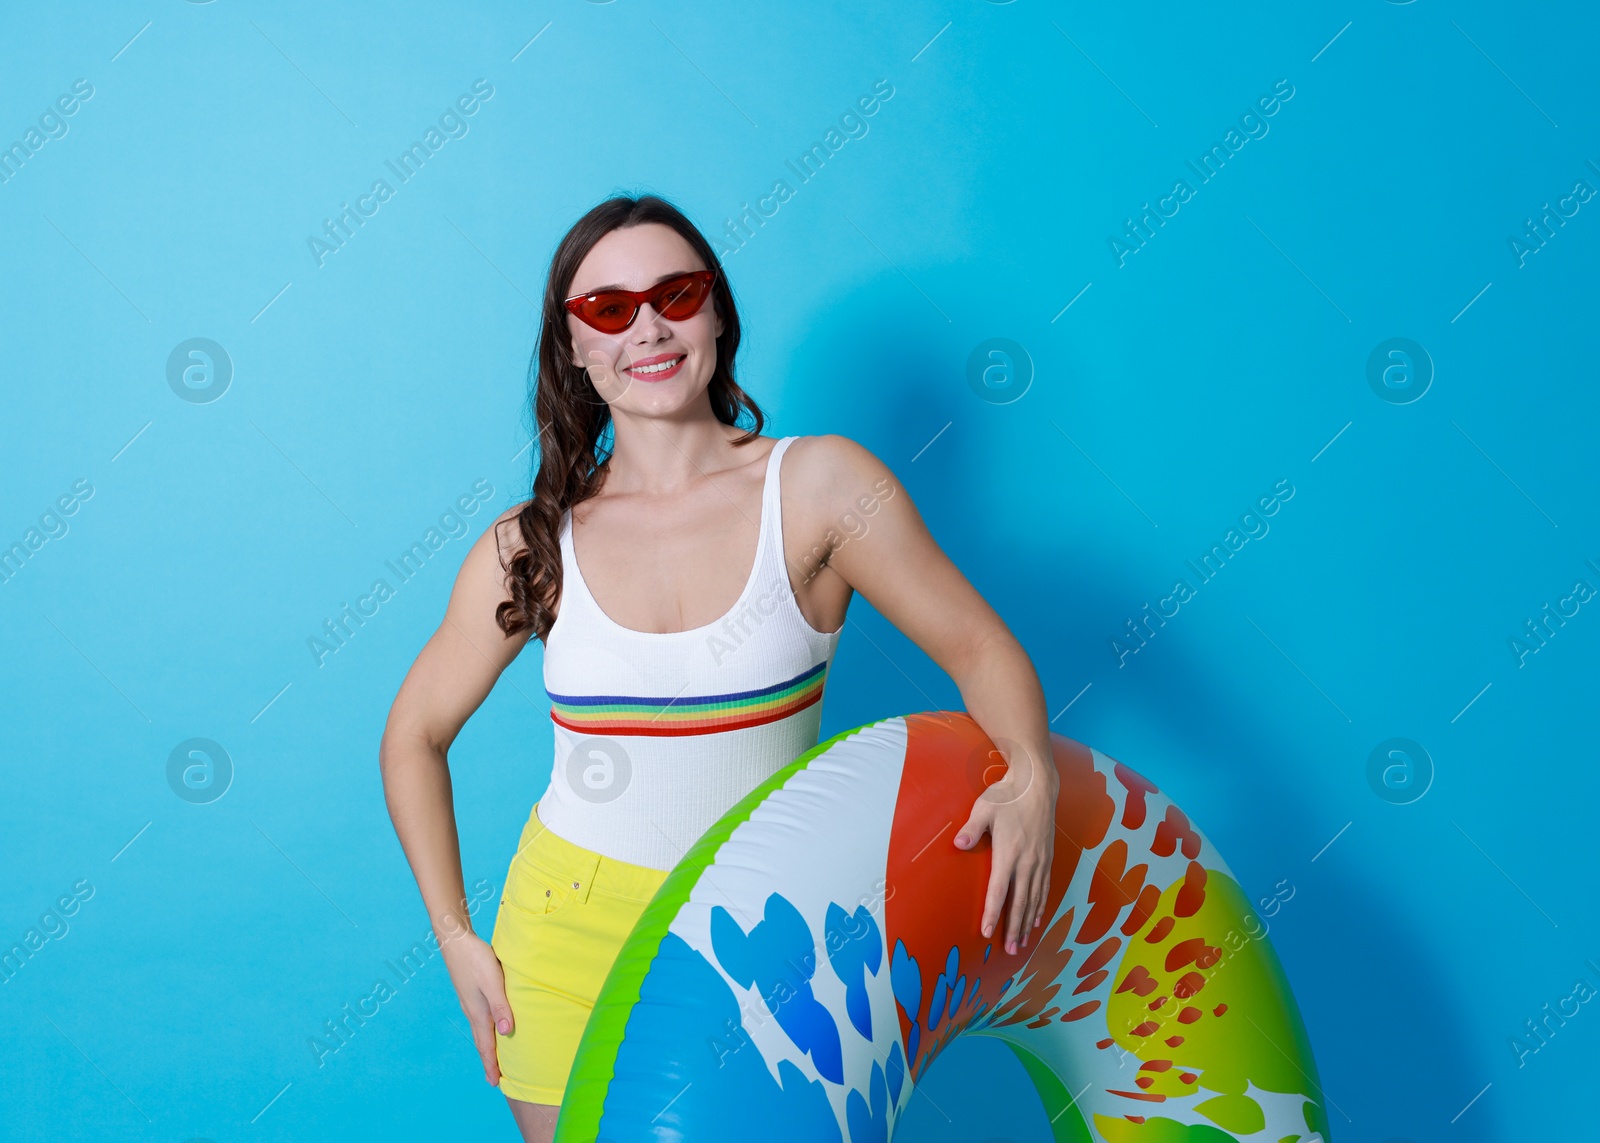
point(834, 471)
point(504, 535)
point(832, 485)
point(481, 581)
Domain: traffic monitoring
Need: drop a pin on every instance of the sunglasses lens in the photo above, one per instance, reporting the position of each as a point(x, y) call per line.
point(609, 313)
point(682, 298)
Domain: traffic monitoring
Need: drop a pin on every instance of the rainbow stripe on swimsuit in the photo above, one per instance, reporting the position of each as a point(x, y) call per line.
point(707, 714)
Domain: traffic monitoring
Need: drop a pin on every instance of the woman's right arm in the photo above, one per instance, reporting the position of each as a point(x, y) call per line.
point(450, 678)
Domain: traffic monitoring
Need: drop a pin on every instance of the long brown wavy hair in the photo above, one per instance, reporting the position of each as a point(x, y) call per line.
point(570, 417)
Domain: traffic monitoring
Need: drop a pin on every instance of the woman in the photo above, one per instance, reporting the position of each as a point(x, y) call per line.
point(668, 704)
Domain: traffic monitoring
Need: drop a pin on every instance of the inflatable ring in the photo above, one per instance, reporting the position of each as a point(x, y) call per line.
point(801, 968)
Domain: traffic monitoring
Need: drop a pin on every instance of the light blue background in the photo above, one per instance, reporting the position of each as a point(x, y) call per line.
point(372, 391)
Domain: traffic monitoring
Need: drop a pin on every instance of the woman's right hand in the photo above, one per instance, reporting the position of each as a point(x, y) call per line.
point(481, 987)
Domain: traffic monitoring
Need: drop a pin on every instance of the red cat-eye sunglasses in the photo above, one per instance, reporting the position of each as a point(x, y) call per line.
point(612, 311)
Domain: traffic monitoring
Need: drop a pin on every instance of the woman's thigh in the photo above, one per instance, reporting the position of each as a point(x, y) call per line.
point(536, 1121)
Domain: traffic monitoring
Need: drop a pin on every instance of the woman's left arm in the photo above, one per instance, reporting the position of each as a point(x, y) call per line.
point(876, 540)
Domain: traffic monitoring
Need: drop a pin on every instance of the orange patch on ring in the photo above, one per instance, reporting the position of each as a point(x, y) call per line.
point(1192, 951)
point(1044, 1017)
point(1111, 886)
point(1192, 893)
point(1139, 980)
point(1100, 956)
point(1175, 828)
point(1138, 786)
point(1149, 898)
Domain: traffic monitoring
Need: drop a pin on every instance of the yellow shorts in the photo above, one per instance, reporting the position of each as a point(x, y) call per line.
point(563, 917)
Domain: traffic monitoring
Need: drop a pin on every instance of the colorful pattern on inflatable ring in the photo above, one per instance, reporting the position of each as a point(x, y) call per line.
point(811, 955)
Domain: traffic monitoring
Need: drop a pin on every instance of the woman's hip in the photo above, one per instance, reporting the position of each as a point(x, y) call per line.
point(564, 915)
point(566, 911)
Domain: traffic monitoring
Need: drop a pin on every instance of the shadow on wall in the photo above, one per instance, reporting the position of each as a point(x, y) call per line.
point(1388, 1044)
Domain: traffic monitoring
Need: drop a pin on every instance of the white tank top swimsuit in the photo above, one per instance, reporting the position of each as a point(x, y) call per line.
point(657, 735)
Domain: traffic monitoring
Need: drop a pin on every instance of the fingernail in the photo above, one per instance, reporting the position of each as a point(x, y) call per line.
point(987, 930)
point(1011, 947)
point(961, 839)
point(505, 1027)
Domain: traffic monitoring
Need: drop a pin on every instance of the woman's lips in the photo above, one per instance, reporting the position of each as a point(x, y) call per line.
point(658, 374)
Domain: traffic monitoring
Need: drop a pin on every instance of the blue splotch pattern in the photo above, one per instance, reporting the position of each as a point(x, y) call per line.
point(949, 999)
point(948, 985)
point(686, 1056)
point(869, 1121)
point(686, 1059)
point(778, 958)
point(905, 978)
point(897, 1073)
point(855, 947)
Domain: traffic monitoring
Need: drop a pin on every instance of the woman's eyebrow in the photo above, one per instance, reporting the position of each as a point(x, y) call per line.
point(619, 286)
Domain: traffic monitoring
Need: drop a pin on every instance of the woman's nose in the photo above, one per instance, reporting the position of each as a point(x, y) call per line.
point(647, 324)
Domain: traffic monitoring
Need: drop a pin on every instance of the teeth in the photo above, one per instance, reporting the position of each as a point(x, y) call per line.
point(658, 367)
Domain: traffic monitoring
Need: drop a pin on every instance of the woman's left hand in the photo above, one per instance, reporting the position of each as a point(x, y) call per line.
point(1020, 816)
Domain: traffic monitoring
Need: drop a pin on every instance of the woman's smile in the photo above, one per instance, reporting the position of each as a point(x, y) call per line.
point(657, 368)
